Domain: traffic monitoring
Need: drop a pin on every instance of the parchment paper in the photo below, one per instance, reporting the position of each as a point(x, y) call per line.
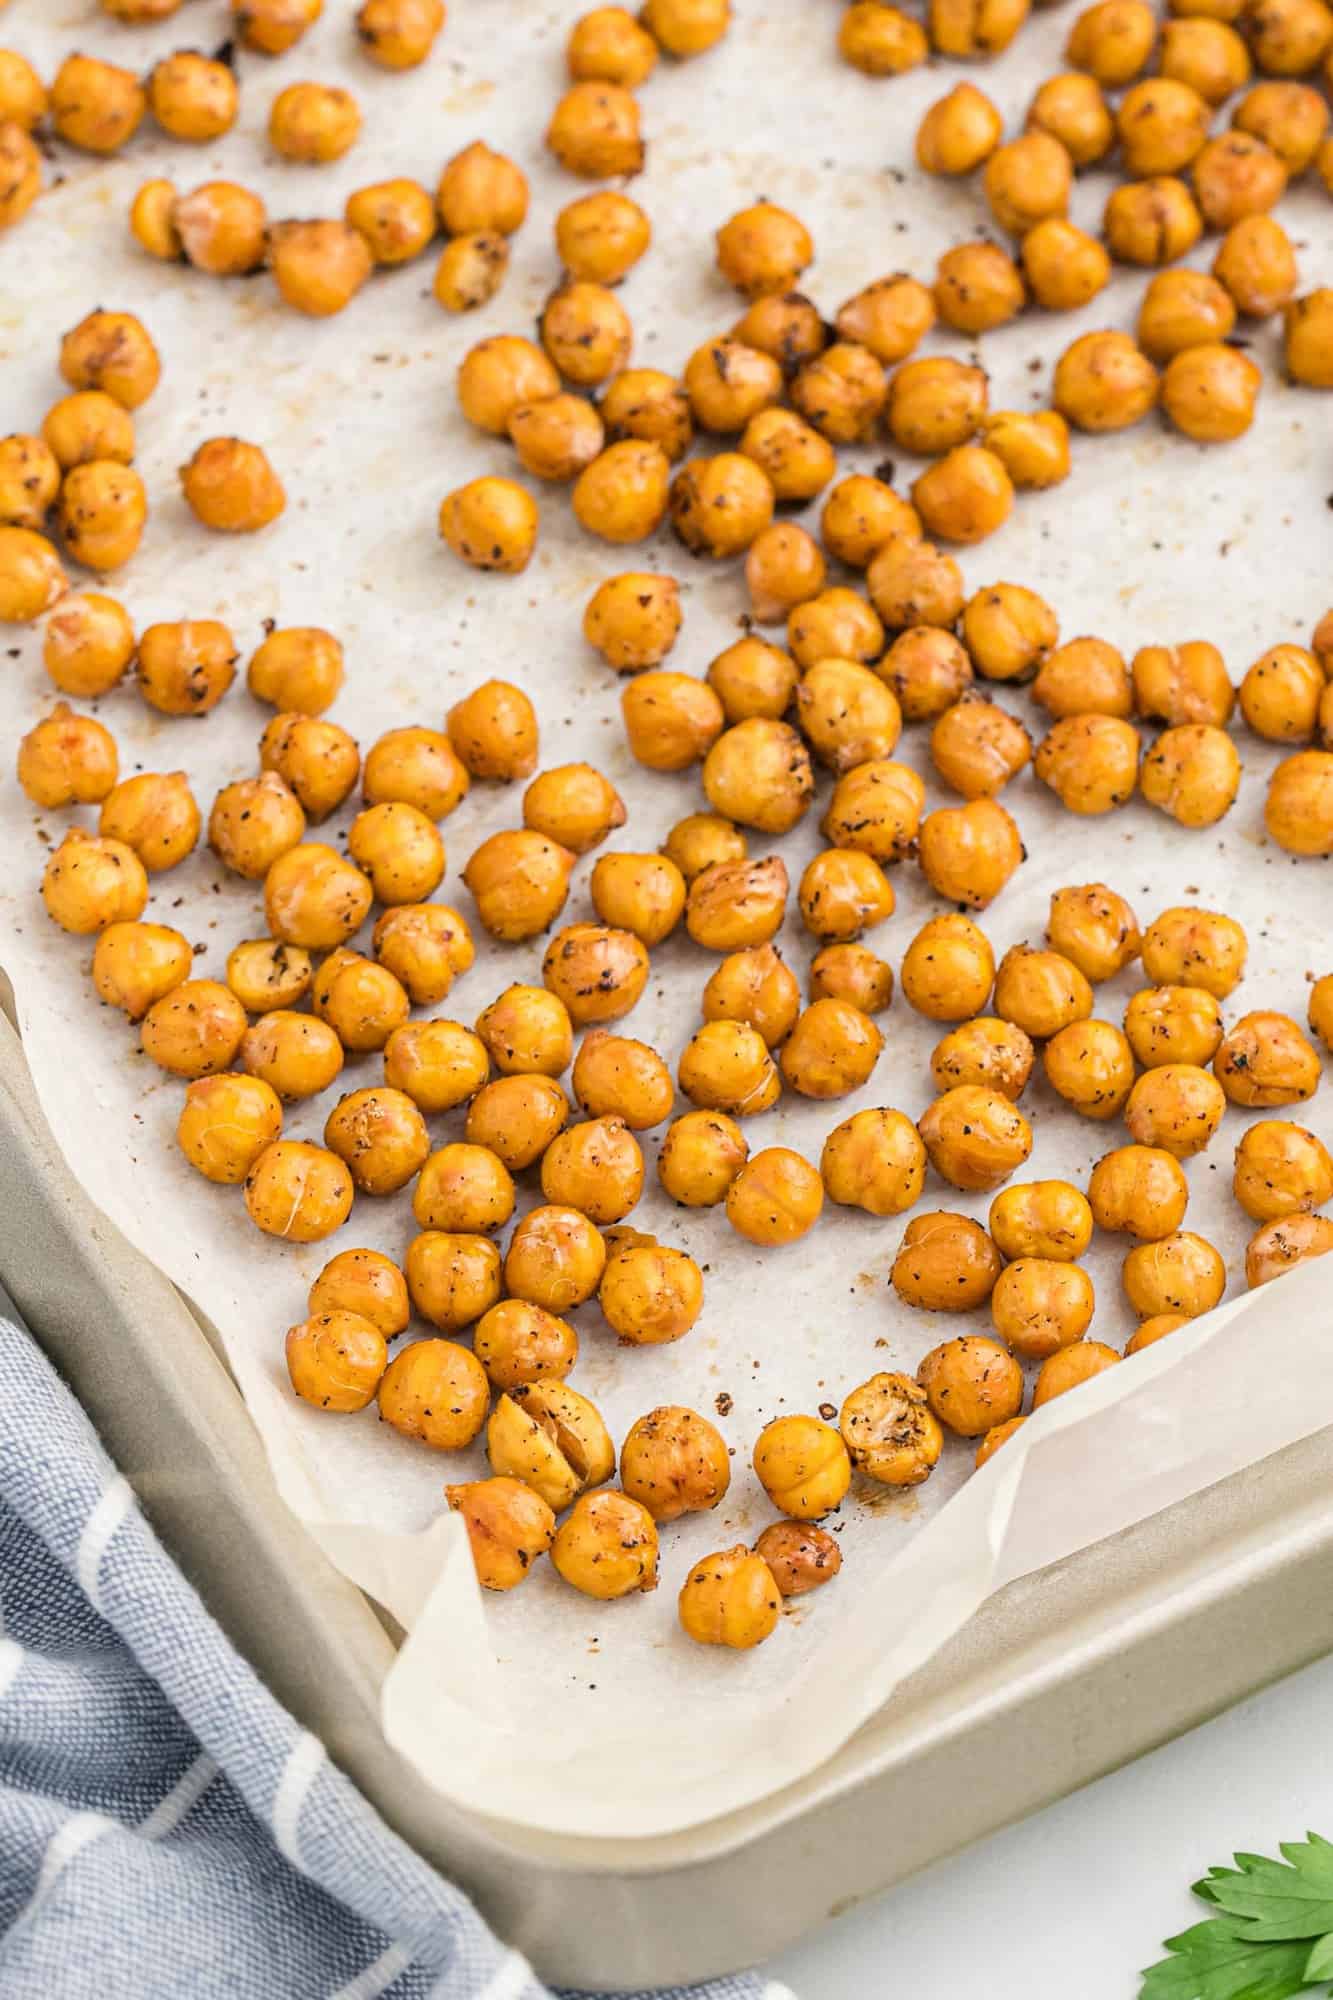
point(544, 1707)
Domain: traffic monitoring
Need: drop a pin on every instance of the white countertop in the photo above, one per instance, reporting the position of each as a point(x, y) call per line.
point(1071, 1904)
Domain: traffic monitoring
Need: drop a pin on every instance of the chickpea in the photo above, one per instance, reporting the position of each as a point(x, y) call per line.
point(685, 28)
point(997, 1435)
point(20, 173)
point(439, 1064)
point(977, 287)
point(726, 1066)
point(644, 405)
point(674, 1462)
point(312, 897)
point(967, 853)
point(803, 1466)
point(1280, 694)
point(1070, 1367)
point(88, 425)
point(1154, 1328)
point(23, 98)
point(964, 28)
point(787, 326)
point(1209, 392)
point(1290, 118)
point(971, 1384)
point(493, 732)
point(671, 720)
point(516, 1117)
point(1113, 40)
point(705, 840)
point(1186, 684)
point(758, 773)
point(299, 670)
point(1032, 445)
point(1182, 1274)
point(1140, 1190)
point(975, 1137)
point(1046, 1221)
point(528, 1031)
point(607, 1546)
point(1236, 176)
point(622, 495)
point(881, 40)
point(1265, 1060)
point(964, 496)
point(253, 822)
point(729, 383)
point(88, 645)
point(948, 969)
point(843, 893)
point(927, 670)
point(784, 568)
point(366, 1284)
point(795, 459)
point(799, 1558)
point(874, 1161)
point(1278, 1245)
point(318, 760)
point(1206, 54)
point(399, 34)
point(453, 1280)
point(609, 45)
point(912, 583)
point(642, 893)
point(223, 229)
point(1320, 1012)
point(509, 1527)
point(1027, 180)
point(31, 578)
point(1151, 222)
point(186, 667)
point(1162, 124)
point(860, 515)
point(1175, 1106)
point(1192, 947)
point(1289, 39)
point(156, 815)
point(701, 1155)
point(594, 131)
point(1308, 339)
point(90, 882)
point(945, 1263)
point(491, 523)
point(596, 1167)
point(586, 332)
point(555, 1259)
point(1280, 1170)
point(848, 715)
point(195, 1030)
point(318, 266)
point(977, 748)
point(1192, 773)
point(832, 1050)
point(231, 487)
point(935, 404)
point(650, 1294)
point(1103, 383)
point(574, 806)
point(617, 1078)
point(520, 881)
point(1040, 1305)
point(552, 1437)
point(1095, 928)
point(1040, 991)
point(838, 624)
point(381, 1136)
point(719, 506)
point(1064, 266)
point(101, 513)
point(556, 438)
point(775, 1199)
point(271, 27)
point(266, 975)
point(29, 481)
point(1090, 1065)
point(1256, 263)
point(1072, 109)
point(360, 1000)
point(135, 965)
point(481, 190)
point(437, 1392)
point(876, 809)
point(335, 1360)
point(958, 133)
point(890, 1432)
point(598, 972)
point(298, 1056)
point(225, 1124)
point(763, 250)
point(841, 392)
point(850, 972)
point(463, 1189)
point(501, 375)
point(1090, 762)
point(397, 219)
point(95, 105)
point(193, 98)
point(68, 759)
point(471, 270)
point(415, 767)
point(989, 1053)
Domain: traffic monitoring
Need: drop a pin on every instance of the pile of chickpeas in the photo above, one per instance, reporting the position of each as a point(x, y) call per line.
point(871, 630)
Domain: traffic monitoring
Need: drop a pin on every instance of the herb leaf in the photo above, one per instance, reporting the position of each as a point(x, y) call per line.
point(1292, 1898)
point(1217, 1960)
point(1319, 1965)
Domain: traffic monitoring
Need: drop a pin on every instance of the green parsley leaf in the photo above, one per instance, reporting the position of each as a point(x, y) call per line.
point(1217, 1960)
point(1319, 1965)
point(1292, 1898)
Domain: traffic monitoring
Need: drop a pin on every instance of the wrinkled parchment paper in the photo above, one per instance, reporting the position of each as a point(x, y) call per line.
point(545, 1708)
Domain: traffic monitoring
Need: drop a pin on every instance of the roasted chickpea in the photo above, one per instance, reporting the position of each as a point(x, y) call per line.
point(971, 1384)
point(875, 1161)
point(795, 459)
point(1031, 445)
point(516, 1117)
point(927, 670)
point(193, 97)
point(88, 425)
point(335, 1360)
point(1279, 1245)
point(890, 1433)
point(223, 229)
point(1175, 1106)
point(720, 505)
point(671, 720)
point(881, 40)
point(1320, 1011)
point(312, 897)
point(1193, 947)
point(318, 266)
point(551, 1437)
point(977, 287)
point(252, 823)
point(622, 495)
point(462, 1188)
point(471, 270)
point(90, 882)
point(23, 99)
point(509, 1527)
point(848, 715)
point(838, 624)
point(1182, 684)
point(1209, 392)
point(1235, 176)
point(1072, 109)
point(586, 332)
point(843, 893)
point(642, 893)
point(381, 1137)
point(912, 583)
point(299, 670)
point(701, 1155)
point(948, 969)
point(230, 487)
point(799, 1558)
point(963, 28)
point(195, 1030)
point(574, 806)
point(1265, 1060)
point(1151, 221)
point(29, 481)
point(453, 1280)
point(520, 881)
point(758, 773)
point(1162, 124)
point(646, 406)
point(482, 190)
point(786, 325)
point(156, 815)
point(31, 578)
point(186, 667)
point(958, 133)
point(967, 853)
point(784, 568)
point(491, 523)
point(265, 974)
point(859, 516)
point(271, 27)
point(1113, 40)
point(705, 840)
point(935, 404)
point(555, 1259)
point(1140, 1191)
point(1069, 1367)
point(595, 1167)
point(397, 219)
point(975, 1137)
point(650, 1294)
point(832, 1049)
point(1042, 1220)
point(763, 249)
point(1040, 991)
point(1290, 118)
point(803, 1466)
point(841, 391)
point(1206, 54)
point(527, 1030)
point(633, 620)
point(1027, 180)
point(1280, 1170)
point(1040, 1305)
point(594, 131)
point(1090, 762)
point(493, 732)
point(609, 45)
point(365, 1283)
point(726, 1066)
point(318, 760)
point(20, 173)
point(1298, 811)
point(1181, 1273)
point(298, 1056)
point(620, 1079)
point(439, 1064)
point(978, 747)
point(1256, 263)
point(850, 972)
point(361, 1001)
point(774, 1199)
point(1155, 1328)
point(729, 383)
point(598, 972)
point(1095, 928)
point(69, 759)
point(964, 496)
point(1192, 773)
point(518, 1343)
point(1103, 383)
point(997, 1435)
point(607, 1546)
point(95, 105)
point(135, 965)
point(674, 1462)
point(415, 767)
point(1064, 266)
point(437, 1392)
point(399, 34)
point(225, 1124)
point(945, 1263)
point(501, 375)
point(1279, 695)
point(876, 809)
point(686, 28)
point(1090, 1065)
point(101, 513)
point(987, 1052)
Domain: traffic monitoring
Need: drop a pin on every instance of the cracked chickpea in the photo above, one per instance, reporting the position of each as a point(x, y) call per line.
point(381, 1137)
point(596, 1167)
point(991, 1053)
point(1095, 928)
point(1064, 266)
point(945, 1263)
point(527, 1031)
point(551, 1436)
point(968, 853)
point(509, 1528)
point(775, 1199)
point(1047, 1220)
point(975, 1138)
point(890, 1433)
point(452, 1279)
point(440, 1064)
point(607, 1546)
point(1040, 1305)
point(621, 496)
point(594, 131)
point(1090, 1065)
point(135, 965)
point(517, 1117)
point(874, 1161)
point(971, 1384)
point(155, 814)
point(1184, 684)
point(841, 392)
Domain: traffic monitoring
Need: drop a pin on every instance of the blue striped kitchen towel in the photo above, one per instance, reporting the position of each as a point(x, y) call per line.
point(166, 1829)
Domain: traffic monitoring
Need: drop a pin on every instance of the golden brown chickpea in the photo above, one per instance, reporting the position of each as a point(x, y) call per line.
point(29, 481)
point(95, 105)
point(31, 578)
point(1181, 1274)
point(527, 1031)
point(223, 229)
point(859, 516)
point(253, 822)
point(1298, 810)
point(453, 1280)
point(650, 1294)
point(1103, 383)
point(335, 1360)
point(912, 583)
point(551, 1437)
point(881, 40)
point(803, 1466)
point(633, 619)
point(754, 986)
point(520, 881)
point(800, 1558)
point(1281, 1169)
point(787, 326)
point(595, 1167)
point(763, 250)
point(1139, 1191)
point(601, 237)
point(617, 1078)
point(1046, 1220)
point(876, 809)
point(1206, 54)
point(509, 1527)
point(1090, 1065)
point(997, 1435)
point(464, 1189)
point(729, 383)
point(935, 404)
point(1265, 1060)
point(299, 670)
point(193, 97)
point(1071, 1366)
point(890, 1433)
point(23, 98)
point(90, 883)
point(795, 459)
point(621, 496)
point(381, 1137)
point(609, 46)
point(1289, 37)
point(986, 1052)
point(784, 568)
point(1027, 180)
point(1320, 1011)
point(574, 806)
point(1155, 1328)
point(838, 624)
point(964, 496)
point(318, 760)
point(1162, 124)
point(977, 748)
point(758, 773)
point(594, 131)
point(927, 670)
point(361, 1001)
point(231, 487)
point(586, 332)
point(1113, 40)
point(1307, 349)
point(1095, 928)
point(516, 1117)
point(397, 219)
point(775, 1199)
point(518, 1343)
point(1173, 1024)
point(705, 840)
point(842, 392)
point(1084, 677)
point(437, 1392)
point(1291, 118)
point(101, 513)
point(20, 173)
point(225, 1124)
point(643, 405)
point(186, 667)
point(967, 853)
point(195, 1030)
point(1008, 631)
point(501, 375)
point(265, 975)
point(556, 438)
point(493, 732)
point(875, 1161)
point(1183, 684)
point(312, 897)
point(701, 1156)
point(607, 1546)
point(555, 1259)
point(843, 893)
point(416, 767)
point(491, 523)
point(674, 1462)
point(671, 720)
point(1090, 762)
point(686, 28)
point(1280, 694)
point(643, 893)
point(978, 287)
point(971, 1384)
point(976, 1138)
point(720, 505)
point(1209, 392)
point(481, 190)
point(832, 1050)
point(958, 133)
point(1193, 947)
point(156, 815)
point(136, 965)
point(1278, 1245)
point(88, 425)
point(945, 1263)
point(471, 270)
point(271, 27)
point(1064, 266)
point(1175, 1106)
point(963, 28)
point(1236, 176)
point(367, 1283)
point(726, 1066)
point(1040, 991)
point(848, 715)
point(1073, 110)
point(399, 34)
point(598, 972)
point(1032, 445)
point(439, 1064)
point(1256, 263)
point(1192, 773)
point(318, 266)
point(1040, 1305)
point(68, 759)
point(298, 1056)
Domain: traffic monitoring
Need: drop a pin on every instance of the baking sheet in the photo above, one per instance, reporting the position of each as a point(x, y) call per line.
point(548, 1709)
